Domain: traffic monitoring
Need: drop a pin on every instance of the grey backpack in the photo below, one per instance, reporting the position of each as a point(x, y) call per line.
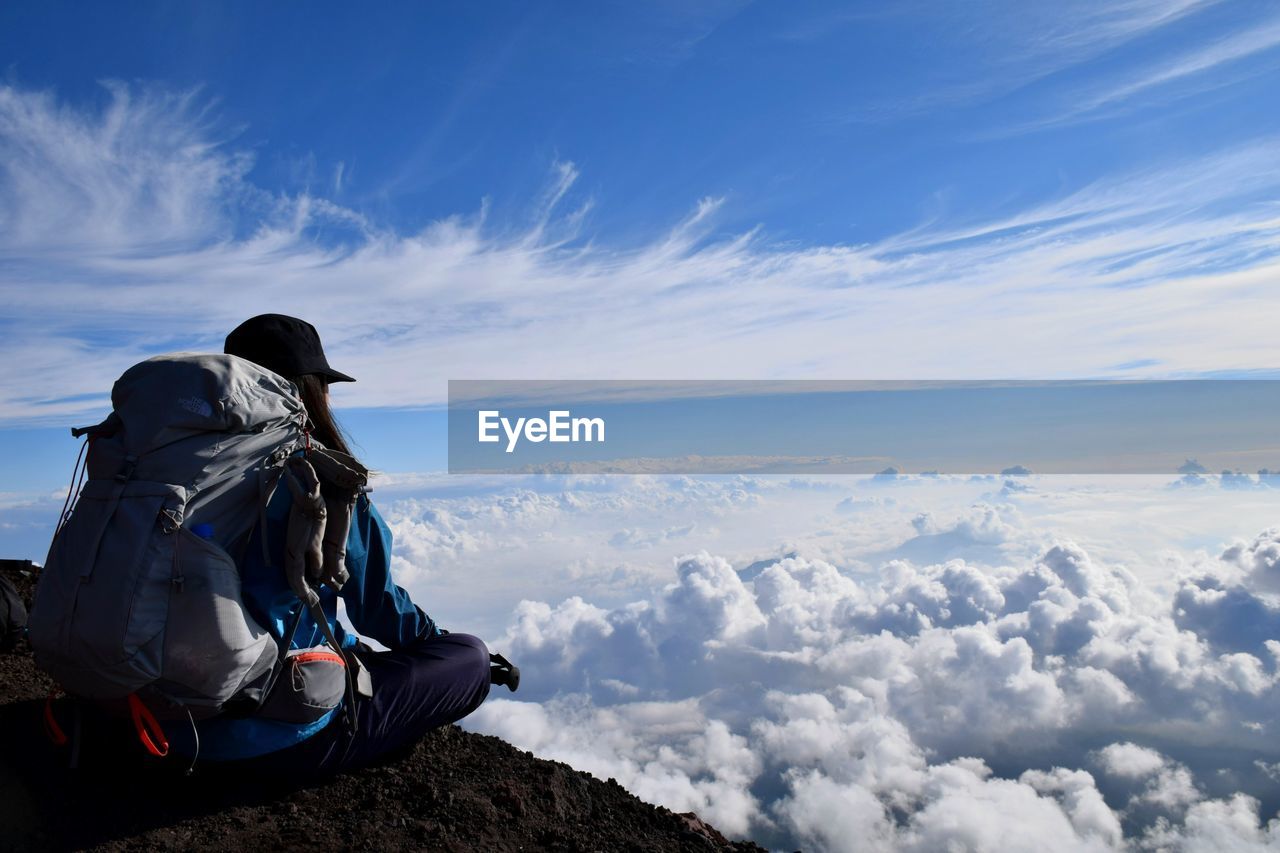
point(140, 595)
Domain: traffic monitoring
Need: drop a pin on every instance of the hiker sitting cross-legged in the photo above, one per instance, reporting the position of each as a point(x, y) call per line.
point(194, 585)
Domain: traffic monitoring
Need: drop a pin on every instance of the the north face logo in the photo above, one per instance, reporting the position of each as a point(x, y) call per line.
point(196, 406)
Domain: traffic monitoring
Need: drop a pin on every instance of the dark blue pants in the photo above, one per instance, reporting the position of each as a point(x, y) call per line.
point(430, 684)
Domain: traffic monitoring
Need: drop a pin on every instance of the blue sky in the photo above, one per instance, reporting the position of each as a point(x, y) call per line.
point(671, 190)
point(826, 122)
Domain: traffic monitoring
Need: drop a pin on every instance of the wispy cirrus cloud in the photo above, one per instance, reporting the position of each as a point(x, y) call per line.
point(1249, 42)
point(1179, 74)
point(996, 47)
point(135, 228)
point(1054, 36)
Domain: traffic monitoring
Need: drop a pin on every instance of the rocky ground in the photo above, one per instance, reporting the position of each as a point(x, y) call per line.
point(454, 791)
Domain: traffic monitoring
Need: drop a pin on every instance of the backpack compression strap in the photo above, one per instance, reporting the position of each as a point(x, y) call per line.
point(342, 479)
point(305, 558)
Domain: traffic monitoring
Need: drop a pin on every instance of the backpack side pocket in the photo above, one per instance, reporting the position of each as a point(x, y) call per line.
point(212, 646)
point(96, 624)
point(310, 685)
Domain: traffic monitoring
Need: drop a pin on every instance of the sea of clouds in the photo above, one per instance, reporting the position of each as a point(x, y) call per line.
point(1030, 663)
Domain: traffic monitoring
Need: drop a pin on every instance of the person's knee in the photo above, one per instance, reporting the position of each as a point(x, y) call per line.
point(472, 650)
point(472, 641)
point(467, 659)
point(477, 658)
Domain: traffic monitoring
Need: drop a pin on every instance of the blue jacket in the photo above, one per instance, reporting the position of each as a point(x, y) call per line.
point(377, 607)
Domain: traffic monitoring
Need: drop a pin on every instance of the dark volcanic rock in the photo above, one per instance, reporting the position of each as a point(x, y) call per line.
point(453, 791)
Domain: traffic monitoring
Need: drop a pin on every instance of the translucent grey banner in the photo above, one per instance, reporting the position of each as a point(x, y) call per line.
point(863, 427)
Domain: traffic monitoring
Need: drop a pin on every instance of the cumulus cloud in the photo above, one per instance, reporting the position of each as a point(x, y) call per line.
point(667, 752)
point(784, 670)
point(1229, 825)
point(1228, 479)
point(855, 504)
point(1029, 703)
point(981, 530)
point(1130, 761)
point(1260, 559)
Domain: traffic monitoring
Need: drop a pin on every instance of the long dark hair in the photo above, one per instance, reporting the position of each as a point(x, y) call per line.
point(324, 427)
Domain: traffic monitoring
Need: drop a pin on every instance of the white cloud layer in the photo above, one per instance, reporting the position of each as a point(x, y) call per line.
point(1022, 693)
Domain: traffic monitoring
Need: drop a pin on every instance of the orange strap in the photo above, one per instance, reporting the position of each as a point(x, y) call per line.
point(149, 731)
point(51, 727)
point(307, 657)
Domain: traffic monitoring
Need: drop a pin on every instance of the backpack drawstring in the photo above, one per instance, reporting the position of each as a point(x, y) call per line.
point(77, 479)
point(195, 734)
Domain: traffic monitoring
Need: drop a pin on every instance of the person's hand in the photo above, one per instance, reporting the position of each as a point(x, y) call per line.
point(503, 671)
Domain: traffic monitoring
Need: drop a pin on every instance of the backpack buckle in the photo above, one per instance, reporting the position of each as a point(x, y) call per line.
point(170, 519)
point(130, 462)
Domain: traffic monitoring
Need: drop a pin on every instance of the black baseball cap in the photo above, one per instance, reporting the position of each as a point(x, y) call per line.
point(287, 345)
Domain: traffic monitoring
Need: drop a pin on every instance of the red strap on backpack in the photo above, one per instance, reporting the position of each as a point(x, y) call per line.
point(51, 727)
point(148, 728)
